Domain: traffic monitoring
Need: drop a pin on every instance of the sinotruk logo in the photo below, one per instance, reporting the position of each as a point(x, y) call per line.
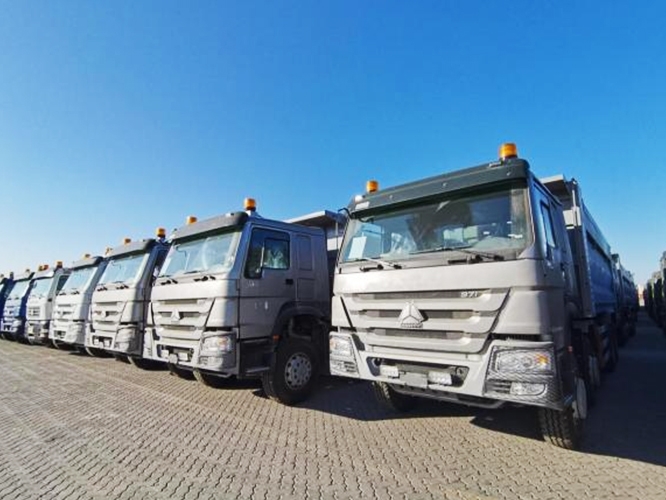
point(411, 318)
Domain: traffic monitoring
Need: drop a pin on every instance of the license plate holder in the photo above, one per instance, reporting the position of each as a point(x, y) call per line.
point(412, 379)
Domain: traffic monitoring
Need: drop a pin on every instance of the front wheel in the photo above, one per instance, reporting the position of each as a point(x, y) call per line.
point(209, 379)
point(293, 372)
point(392, 399)
point(564, 428)
point(180, 372)
point(97, 353)
point(143, 364)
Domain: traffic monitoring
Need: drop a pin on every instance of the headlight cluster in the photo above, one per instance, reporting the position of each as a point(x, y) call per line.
point(341, 346)
point(523, 361)
point(218, 344)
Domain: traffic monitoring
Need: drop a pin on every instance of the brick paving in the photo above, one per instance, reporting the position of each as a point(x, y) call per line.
point(77, 427)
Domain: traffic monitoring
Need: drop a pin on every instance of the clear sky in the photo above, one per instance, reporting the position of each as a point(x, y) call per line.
point(117, 117)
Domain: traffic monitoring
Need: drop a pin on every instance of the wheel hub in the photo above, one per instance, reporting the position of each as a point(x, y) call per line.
point(298, 371)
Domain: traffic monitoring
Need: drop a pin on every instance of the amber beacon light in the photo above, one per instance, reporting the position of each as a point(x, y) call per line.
point(371, 186)
point(250, 204)
point(508, 150)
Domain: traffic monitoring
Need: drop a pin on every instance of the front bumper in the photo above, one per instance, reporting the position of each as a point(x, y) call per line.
point(13, 327)
point(191, 353)
point(37, 331)
point(457, 377)
point(124, 339)
point(68, 332)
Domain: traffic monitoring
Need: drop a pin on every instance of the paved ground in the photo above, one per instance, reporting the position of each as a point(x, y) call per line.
point(72, 426)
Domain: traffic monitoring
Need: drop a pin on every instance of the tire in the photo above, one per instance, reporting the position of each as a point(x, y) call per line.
point(180, 372)
point(390, 398)
point(97, 353)
point(293, 372)
point(564, 428)
point(142, 364)
point(209, 379)
point(123, 358)
point(592, 373)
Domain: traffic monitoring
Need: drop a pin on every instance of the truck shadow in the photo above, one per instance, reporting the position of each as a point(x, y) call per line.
point(628, 421)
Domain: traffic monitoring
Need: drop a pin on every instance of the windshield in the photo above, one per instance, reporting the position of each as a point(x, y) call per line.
point(41, 287)
point(19, 289)
point(212, 254)
point(494, 222)
point(78, 279)
point(124, 270)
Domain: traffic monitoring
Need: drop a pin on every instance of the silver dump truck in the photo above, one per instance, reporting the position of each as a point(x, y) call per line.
point(464, 288)
point(240, 295)
point(120, 301)
point(12, 325)
point(6, 283)
point(71, 310)
point(46, 284)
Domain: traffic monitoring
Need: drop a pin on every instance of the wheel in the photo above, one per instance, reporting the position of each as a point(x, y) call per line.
point(392, 399)
point(123, 358)
point(143, 364)
point(97, 353)
point(209, 379)
point(180, 372)
point(613, 355)
point(293, 372)
point(592, 374)
point(564, 428)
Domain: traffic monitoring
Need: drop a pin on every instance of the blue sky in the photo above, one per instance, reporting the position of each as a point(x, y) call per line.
point(118, 117)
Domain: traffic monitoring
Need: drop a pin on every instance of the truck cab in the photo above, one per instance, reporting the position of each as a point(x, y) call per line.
point(245, 296)
point(46, 284)
point(462, 288)
point(12, 325)
point(71, 310)
point(6, 283)
point(120, 300)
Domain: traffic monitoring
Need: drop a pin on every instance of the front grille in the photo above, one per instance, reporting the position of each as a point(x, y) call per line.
point(418, 333)
point(438, 294)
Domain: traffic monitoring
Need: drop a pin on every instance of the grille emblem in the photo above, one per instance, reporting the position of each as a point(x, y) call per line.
point(176, 316)
point(411, 318)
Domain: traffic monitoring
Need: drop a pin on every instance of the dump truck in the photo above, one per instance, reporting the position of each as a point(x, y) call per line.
point(245, 296)
point(71, 310)
point(12, 326)
point(6, 283)
point(464, 287)
point(46, 284)
point(627, 302)
point(120, 300)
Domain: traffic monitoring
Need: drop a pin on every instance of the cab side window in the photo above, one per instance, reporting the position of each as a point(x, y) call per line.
point(267, 250)
point(547, 221)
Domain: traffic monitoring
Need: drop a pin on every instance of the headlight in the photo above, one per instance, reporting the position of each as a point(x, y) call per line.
point(217, 344)
point(341, 346)
point(523, 361)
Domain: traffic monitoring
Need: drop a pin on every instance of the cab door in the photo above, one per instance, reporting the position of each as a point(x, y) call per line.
point(267, 283)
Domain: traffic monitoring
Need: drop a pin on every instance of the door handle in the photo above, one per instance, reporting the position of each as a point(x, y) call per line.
point(289, 281)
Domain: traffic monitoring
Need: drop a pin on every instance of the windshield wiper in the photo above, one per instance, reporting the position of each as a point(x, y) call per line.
point(379, 263)
point(168, 280)
point(467, 250)
point(101, 288)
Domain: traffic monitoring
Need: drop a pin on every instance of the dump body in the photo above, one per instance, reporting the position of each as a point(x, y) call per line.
point(222, 295)
point(120, 300)
point(45, 287)
point(593, 260)
point(71, 310)
point(13, 318)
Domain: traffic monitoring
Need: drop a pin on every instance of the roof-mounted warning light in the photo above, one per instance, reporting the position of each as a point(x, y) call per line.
point(191, 219)
point(250, 204)
point(371, 186)
point(58, 264)
point(160, 232)
point(508, 150)
point(127, 241)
